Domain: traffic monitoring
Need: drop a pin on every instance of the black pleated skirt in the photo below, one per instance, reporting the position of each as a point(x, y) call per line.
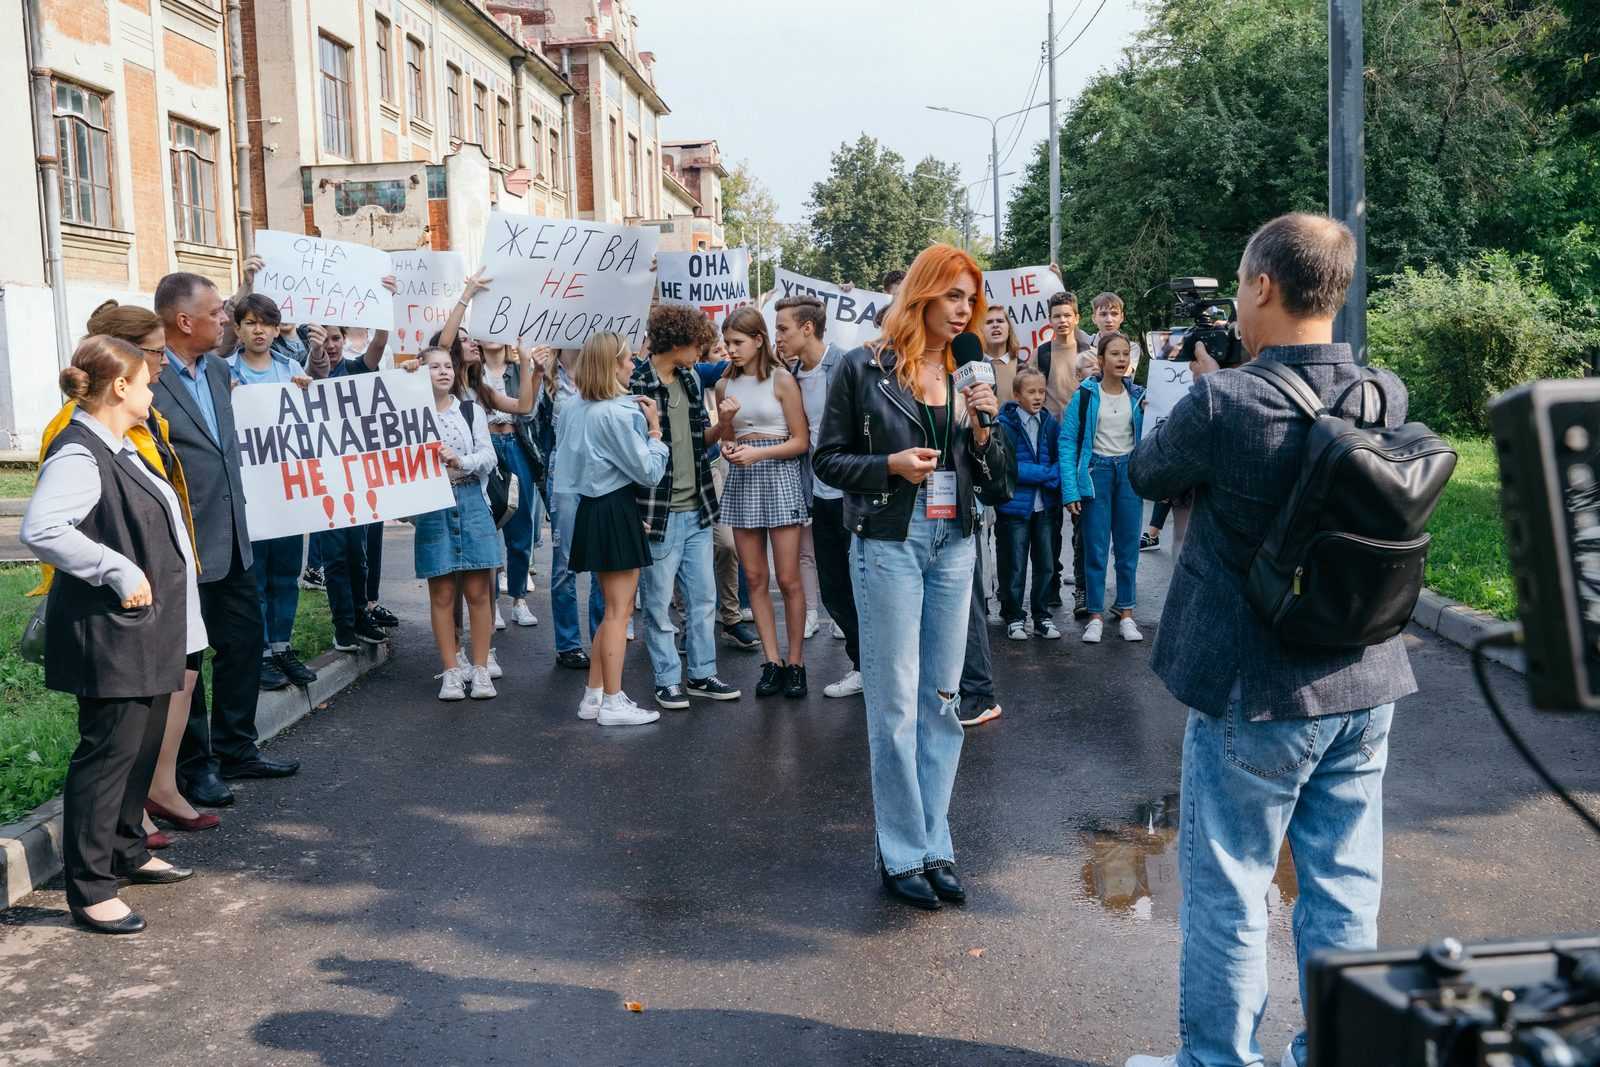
point(608, 534)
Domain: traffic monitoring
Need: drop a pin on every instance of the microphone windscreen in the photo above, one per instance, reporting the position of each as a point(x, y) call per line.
point(966, 348)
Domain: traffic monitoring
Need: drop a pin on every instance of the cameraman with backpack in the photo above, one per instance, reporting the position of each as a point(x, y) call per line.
point(1283, 739)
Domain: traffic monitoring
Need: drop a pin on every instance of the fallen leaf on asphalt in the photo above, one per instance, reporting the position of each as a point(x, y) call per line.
point(323, 706)
point(633, 1005)
point(975, 953)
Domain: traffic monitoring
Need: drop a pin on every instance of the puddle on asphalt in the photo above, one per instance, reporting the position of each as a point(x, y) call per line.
point(1133, 869)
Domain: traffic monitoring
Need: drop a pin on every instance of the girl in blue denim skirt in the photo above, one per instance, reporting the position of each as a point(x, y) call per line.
point(1100, 426)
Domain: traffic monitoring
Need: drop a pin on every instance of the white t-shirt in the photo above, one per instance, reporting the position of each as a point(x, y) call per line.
point(1113, 433)
point(814, 396)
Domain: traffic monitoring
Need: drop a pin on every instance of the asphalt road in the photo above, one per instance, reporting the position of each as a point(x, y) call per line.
point(493, 882)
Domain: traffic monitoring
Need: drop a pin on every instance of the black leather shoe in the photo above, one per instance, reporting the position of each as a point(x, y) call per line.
point(293, 668)
point(773, 679)
point(946, 884)
point(573, 659)
point(207, 792)
point(166, 876)
point(260, 767)
point(912, 888)
point(795, 689)
point(130, 923)
point(383, 616)
point(369, 632)
point(272, 678)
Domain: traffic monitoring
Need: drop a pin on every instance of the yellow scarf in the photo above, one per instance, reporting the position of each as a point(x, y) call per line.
point(145, 443)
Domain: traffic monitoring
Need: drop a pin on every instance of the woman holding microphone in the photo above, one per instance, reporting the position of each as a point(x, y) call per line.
point(122, 620)
point(910, 452)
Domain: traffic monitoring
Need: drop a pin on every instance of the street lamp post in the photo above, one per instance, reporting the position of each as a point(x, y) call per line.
point(994, 148)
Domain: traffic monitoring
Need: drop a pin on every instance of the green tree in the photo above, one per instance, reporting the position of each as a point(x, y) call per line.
point(750, 220)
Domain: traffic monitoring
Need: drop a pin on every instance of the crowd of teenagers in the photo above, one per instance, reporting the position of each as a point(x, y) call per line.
point(689, 477)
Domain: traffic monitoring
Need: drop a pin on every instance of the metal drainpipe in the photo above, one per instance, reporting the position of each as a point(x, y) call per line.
point(46, 154)
point(243, 195)
point(517, 64)
point(571, 136)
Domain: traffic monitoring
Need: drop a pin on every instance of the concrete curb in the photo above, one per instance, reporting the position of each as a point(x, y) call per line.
point(1463, 625)
point(30, 849)
point(13, 507)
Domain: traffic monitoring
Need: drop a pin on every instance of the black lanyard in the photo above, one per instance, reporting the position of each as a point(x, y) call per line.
point(949, 422)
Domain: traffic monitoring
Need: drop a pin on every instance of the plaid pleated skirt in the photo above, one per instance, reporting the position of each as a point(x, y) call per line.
point(765, 494)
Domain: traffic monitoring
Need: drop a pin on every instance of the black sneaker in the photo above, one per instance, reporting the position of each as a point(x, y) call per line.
point(796, 687)
point(773, 680)
point(713, 688)
point(672, 696)
point(271, 677)
point(1080, 604)
point(743, 636)
point(573, 659)
point(383, 616)
point(345, 642)
point(369, 631)
point(293, 669)
point(1147, 542)
point(313, 578)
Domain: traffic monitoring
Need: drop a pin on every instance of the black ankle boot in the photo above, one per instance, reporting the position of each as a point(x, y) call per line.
point(796, 688)
point(911, 888)
point(945, 884)
point(773, 677)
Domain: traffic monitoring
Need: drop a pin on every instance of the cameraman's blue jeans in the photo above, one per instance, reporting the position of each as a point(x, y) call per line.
point(1247, 785)
point(1111, 520)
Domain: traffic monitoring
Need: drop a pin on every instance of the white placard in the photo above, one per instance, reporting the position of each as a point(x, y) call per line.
point(355, 449)
point(718, 283)
point(1025, 294)
point(1169, 379)
point(852, 317)
point(314, 279)
point(557, 281)
point(428, 284)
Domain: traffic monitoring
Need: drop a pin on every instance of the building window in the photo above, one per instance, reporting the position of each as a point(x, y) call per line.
point(633, 174)
point(338, 129)
point(502, 123)
point(416, 84)
point(387, 194)
point(480, 115)
point(538, 149)
point(557, 171)
point(616, 160)
point(85, 147)
point(453, 99)
point(385, 63)
point(652, 183)
point(194, 182)
point(438, 185)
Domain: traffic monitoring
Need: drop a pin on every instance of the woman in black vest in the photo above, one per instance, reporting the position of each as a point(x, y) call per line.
point(122, 619)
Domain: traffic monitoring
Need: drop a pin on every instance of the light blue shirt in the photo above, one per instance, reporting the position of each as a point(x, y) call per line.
point(281, 370)
point(1030, 423)
point(197, 388)
point(602, 445)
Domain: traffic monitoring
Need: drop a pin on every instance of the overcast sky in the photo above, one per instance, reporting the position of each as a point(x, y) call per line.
point(782, 84)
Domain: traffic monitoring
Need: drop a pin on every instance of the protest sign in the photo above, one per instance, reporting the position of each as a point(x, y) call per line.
point(852, 316)
point(428, 284)
point(556, 281)
point(1025, 294)
point(344, 451)
point(313, 279)
point(1169, 379)
point(718, 283)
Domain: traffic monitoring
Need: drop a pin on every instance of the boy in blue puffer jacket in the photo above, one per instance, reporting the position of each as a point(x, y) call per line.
point(1023, 530)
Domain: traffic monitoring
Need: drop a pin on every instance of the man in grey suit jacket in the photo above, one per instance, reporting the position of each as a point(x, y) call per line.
point(192, 392)
point(1281, 741)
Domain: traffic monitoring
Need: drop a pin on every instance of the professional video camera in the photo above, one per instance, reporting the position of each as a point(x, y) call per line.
point(1215, 321)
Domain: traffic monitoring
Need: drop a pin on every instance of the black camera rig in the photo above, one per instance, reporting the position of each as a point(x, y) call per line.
point(1214, 320)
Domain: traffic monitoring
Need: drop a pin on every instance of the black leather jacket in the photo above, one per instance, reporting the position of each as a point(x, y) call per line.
point(870, 416)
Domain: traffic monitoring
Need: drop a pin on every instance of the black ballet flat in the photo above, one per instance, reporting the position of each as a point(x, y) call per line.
point(165, 876)
point(130, 923)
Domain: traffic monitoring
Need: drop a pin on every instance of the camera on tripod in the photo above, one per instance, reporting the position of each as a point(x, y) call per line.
point(1214, 319)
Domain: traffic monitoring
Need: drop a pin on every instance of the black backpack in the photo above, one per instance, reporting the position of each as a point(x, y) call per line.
point(1342, 565)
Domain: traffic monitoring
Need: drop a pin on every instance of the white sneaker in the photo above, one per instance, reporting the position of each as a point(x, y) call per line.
point(504, 588)
point(617, 710)
point(589, 707)
point(838, 632)
point(1047, 631)
point(1017, 631)
point(521, 615)
point(482, 687)
point(494, 665)
point(848, 686)
point(452, 687)
point(1091, 632)
point(1130, 630)
point(465, 664)
point(1151, 1061)
point(811, 625)
point(499, 619)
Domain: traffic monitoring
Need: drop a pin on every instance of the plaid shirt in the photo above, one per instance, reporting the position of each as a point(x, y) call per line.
point(656, 502)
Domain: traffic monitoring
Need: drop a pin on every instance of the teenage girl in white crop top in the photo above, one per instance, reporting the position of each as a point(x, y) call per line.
point(762, 424)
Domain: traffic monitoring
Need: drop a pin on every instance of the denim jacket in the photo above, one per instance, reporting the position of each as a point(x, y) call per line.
point(1075, 481)
point(1037, 470)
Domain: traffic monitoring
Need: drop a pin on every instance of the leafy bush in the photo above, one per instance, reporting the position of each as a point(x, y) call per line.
point(1460, 339)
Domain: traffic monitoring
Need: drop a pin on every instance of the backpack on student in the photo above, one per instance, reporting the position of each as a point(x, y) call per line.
point(1342, 564)
point(503, 487)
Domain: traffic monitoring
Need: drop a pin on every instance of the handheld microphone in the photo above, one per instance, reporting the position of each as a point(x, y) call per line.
point(972, 368)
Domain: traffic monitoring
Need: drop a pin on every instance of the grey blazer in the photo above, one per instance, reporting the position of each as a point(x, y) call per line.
point(1238, 444)
point(211, 469)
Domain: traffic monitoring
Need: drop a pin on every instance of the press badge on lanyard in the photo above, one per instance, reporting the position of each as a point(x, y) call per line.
point(939, 491)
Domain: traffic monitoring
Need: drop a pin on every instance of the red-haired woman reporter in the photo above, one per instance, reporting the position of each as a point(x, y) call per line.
point(910, 455)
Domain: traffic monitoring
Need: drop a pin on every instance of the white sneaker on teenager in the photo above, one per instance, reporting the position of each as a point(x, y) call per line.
point(1151, 1061)
point(848, 686)
point(1017, 631)
point(811, 625)
point(617, 710)
point(499, 619)
point(589, 706)
point(1091, 632)
point(838, 632)
point(453, 686)
point(1047, 631)
point(482, 687)
point(1130, 629)
point(522, 615)
point(466, 664)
